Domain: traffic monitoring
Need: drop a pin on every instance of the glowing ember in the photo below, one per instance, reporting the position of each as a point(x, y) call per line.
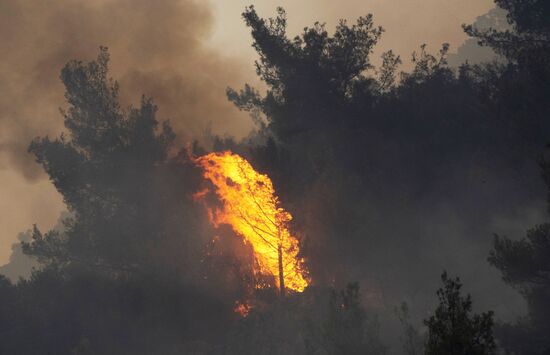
point(252, 209)
point(243, 309)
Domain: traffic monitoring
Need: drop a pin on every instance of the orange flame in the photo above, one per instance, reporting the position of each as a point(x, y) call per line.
point(253, 210)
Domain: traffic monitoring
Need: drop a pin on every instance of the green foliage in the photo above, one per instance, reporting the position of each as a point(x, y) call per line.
point(453, 329)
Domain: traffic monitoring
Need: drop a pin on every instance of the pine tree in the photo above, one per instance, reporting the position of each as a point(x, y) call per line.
point(453, 330)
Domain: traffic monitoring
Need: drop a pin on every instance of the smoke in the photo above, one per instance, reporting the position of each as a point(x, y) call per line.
point(156, 49)
point(470, 51)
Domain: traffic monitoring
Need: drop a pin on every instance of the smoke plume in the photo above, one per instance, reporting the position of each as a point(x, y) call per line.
point(156, 49)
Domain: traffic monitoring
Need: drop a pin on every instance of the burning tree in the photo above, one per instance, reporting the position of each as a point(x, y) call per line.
point(253, 210)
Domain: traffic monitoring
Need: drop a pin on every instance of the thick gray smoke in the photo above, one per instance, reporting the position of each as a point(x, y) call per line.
point(156, 49)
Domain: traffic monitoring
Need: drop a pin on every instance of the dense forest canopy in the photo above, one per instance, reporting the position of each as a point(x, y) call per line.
point(383, 171)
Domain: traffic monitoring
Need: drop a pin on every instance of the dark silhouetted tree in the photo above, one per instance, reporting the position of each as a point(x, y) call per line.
point(118, 174)
point(125, 274)
point(525, 265)
point(453, 329)
point(339, 137)
point(529, 39)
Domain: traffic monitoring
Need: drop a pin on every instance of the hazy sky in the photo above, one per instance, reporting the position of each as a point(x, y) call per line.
point(183, 53)
point(408, 23)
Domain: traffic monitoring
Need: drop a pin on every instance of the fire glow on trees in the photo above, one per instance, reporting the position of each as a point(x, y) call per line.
point(252, 209)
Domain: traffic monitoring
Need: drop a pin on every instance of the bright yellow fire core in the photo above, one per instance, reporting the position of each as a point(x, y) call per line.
point(253, 210)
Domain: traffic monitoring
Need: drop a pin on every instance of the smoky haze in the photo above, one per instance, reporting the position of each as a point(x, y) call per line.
point(407, 23)
point(182, 53)
point(427, 213)
point(157, 50)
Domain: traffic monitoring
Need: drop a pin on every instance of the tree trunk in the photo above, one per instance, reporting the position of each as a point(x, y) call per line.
point(281, 272)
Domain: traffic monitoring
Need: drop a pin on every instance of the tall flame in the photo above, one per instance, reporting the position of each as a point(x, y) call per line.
point(253, 210)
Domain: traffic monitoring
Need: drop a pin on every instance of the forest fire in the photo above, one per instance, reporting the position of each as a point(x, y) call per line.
point(252, 209)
